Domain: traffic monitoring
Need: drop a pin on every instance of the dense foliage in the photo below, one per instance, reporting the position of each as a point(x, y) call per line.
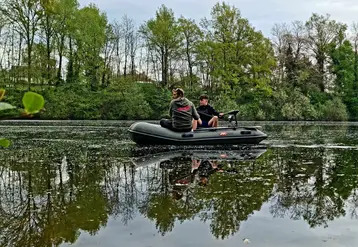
point(90, 68)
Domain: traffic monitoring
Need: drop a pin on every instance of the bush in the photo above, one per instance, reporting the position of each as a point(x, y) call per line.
point(298, 107)
point(80, 103)
point(333, 110)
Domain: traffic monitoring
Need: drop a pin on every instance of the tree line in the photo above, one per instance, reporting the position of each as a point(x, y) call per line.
point(88, 67)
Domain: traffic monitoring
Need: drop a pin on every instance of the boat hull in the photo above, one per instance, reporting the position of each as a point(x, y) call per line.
point(153, 134)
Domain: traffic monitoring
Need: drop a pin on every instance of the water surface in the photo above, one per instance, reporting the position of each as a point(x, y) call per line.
point(84, 183)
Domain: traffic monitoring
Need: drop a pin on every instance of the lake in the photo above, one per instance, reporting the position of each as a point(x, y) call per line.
point(84, 183)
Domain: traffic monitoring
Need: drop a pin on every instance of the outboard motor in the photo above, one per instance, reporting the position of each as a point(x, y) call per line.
point(232, 117)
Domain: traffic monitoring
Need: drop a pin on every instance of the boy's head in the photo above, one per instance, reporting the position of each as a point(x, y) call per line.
point(204, 99)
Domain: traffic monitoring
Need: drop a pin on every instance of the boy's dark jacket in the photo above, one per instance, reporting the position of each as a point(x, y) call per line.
point(207, 110)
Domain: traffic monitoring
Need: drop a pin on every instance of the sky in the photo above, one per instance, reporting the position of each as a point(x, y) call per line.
point(262, 14)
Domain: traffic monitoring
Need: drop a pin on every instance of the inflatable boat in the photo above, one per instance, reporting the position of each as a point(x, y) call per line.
point(153, 134)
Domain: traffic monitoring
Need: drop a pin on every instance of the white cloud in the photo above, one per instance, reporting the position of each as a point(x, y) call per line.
point(261, 13)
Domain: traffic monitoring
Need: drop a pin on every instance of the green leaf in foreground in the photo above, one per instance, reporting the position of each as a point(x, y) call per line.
point(2, 93)
point(33, 102)
point(6, 106)
point(4, 142)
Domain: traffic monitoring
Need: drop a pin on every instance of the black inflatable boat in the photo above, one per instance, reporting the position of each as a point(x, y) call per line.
point(153, 134)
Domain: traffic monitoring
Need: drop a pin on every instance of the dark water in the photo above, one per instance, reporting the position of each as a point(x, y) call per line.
point(84, 183)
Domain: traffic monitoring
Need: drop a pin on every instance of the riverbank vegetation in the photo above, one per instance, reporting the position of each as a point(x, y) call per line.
point(88, 67)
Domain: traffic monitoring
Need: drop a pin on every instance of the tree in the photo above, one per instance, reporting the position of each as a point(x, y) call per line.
point(242, 58)
point(89, 33)
point(280, 34)
point(321, 33)
point(163, 36)
point(128, 34)
point(192, 35)
point(133, 46)
point(47, 24)
point(25, 17)
point(355, 47)
point(343, 67)
point(65, 10)
point(109, 48)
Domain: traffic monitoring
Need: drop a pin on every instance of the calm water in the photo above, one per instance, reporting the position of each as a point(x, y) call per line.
point(84, 183)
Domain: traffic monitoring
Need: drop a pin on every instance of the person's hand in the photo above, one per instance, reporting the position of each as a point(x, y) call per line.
point(213, 164)
point(200, 122)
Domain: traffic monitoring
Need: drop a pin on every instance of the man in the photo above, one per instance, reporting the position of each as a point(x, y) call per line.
point(209, 116)
point(182, 112)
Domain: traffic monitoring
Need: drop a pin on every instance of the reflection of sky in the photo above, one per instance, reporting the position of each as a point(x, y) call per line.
point(260, 228)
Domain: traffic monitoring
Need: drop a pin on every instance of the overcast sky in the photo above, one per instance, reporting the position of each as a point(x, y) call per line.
point(262, 14)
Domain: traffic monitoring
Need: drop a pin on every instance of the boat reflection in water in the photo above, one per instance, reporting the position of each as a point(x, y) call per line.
point(206, 185)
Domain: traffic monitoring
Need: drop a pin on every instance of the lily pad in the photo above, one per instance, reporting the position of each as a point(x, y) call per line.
point(33, 102)
point(6, 106)
point(4, 142)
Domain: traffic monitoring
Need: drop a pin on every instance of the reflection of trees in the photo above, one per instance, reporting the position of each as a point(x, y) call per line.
point(48, 195)
point(343, 178)
point(46, 201)
point(120, 190)
point(230, 198)
point(315, 184)
point(227, 200)
point(160, 204)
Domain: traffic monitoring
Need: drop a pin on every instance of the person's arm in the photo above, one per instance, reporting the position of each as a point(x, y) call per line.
point(195, 114)
point(214, 112)
point(171, 108)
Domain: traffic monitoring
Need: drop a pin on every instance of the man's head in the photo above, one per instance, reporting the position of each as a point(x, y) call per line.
point(204, 99)
point(177, 93)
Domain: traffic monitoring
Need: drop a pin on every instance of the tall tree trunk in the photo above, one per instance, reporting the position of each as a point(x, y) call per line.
point(163, 66)
point(125, 57)
point(190, 65)
point(19, 57)
point(48, 49)
point(28, 61)
point(125, 66)
point(132, 65)
point(320, 63)
point(12, 54)
point(119, 60)
point(60, 54)
point(147, 62)
point(166, 67)
point(355, 87)
point(70, 69)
